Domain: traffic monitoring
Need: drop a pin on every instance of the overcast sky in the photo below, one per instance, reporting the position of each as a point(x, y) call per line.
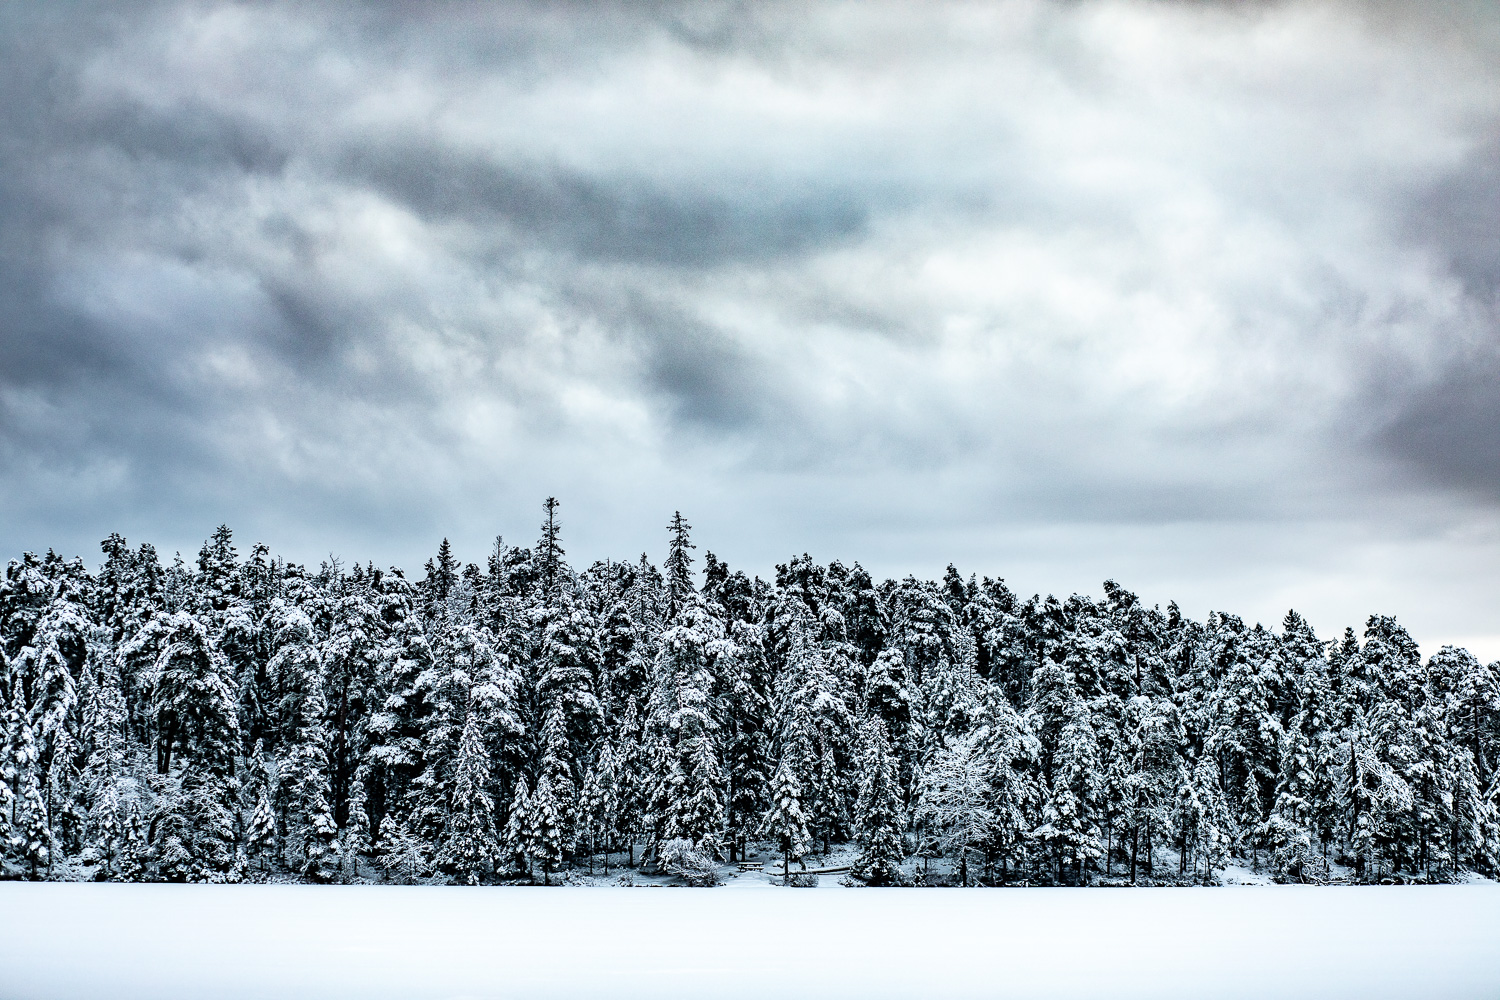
point(1204, 297)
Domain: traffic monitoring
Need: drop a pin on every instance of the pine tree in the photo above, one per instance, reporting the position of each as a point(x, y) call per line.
point(471, 846)
point(828, 805)
point(699, 813)
point(1289, 828)
point(1069, 825)
point(516, 841)
point(549, 550)
point(544, 835)
point(877, 811)
point(679, 565)
point(310, 822)
point(442, 575)
point(786, 820)
point(260, 839)
point(1212, 819)
point(218, 567)
point(591, 813)
point(31, 835)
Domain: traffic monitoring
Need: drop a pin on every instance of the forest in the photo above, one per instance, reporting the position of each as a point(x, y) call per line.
point(244, 718)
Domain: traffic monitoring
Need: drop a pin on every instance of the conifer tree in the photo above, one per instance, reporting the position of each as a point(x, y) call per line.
point(442, 574)
point(1213, 817)
point(1289, 828)
point(786, 819)
point(679, 565)
point(260, 839)
point(516, 841)
point(544, 833)
point(31, 835)
point(828, 806)
point(878, 809)
point(470, 846)
point(593, 813)
point(549, 550)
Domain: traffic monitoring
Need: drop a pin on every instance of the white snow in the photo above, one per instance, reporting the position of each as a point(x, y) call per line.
point(166, 942)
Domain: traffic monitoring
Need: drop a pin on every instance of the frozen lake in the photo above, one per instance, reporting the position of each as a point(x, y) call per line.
point(167, 942)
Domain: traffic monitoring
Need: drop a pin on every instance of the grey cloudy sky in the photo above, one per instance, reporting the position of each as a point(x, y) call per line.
point(1204, 297)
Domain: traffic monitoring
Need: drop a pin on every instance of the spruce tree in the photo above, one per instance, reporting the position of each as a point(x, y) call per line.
point(260, 839)
point(544, 834)
point(470, 844)
point(516, 841)
point(679, 565)
point(786, 819)
point(549, 550)
point(878, 814)
point(31, 835)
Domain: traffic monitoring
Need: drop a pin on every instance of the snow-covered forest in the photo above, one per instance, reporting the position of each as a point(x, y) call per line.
point(242, 718)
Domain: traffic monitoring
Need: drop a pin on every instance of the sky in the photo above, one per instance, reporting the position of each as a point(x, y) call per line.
point(1201, 297)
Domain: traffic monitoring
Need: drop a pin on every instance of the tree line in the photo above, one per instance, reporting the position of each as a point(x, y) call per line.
point(244, 716)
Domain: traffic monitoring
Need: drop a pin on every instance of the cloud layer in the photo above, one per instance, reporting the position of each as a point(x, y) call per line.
point(1202, 296)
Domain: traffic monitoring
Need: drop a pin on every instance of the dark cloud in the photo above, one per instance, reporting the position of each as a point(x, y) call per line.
point(608, 218)
point(1460, 216)
point(1448, 430)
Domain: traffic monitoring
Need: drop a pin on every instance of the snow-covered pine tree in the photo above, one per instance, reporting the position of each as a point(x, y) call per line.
point(745, 684)
point(194, 725)
point(549, 550)
point(1071, 807)
point(1289, 827)
point(699, 815)
point(878, 812)
point(1213, 838)
point(545, 834)
point(786, 819)
point(1155, 738)
point(635, 781)
point(260, 838)
point(356, 838)
point(569, 663)
point(683, 720)
point(607, 800)
point(31, 835)
point(679, 565)
point(829, 808)
point(1012, 753)
point(515, 842)
point(562, 790)
point(308, 820)
point(470, 844)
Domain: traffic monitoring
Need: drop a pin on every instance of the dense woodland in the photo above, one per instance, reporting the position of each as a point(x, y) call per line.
point(244, 718)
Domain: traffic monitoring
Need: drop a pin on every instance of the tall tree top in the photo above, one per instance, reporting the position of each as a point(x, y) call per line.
point(549, 549)
point(679, 565)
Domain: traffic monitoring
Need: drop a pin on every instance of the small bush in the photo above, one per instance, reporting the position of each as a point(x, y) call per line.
point(681, 858)
point(802, 880)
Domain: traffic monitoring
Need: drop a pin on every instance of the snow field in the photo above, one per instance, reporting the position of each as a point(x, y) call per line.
point(165, 942)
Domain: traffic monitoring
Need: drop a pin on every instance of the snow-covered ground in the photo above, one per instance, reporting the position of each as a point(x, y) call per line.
point(373, 942)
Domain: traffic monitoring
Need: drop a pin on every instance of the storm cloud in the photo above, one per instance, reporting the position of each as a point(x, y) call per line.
point(1205, 297)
